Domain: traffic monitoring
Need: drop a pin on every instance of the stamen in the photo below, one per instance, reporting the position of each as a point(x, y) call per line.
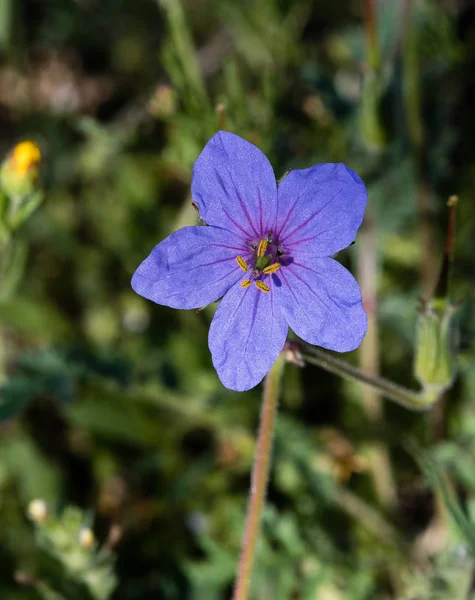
point(271, 268)
point(260, 285)
point(242, 263)
point(261, 249)
point(246, 283)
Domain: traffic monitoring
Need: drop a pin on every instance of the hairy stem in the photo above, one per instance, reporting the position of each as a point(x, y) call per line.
point(260, 476)
point(411, 399)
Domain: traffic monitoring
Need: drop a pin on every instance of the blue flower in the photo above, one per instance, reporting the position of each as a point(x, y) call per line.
point(266, 253)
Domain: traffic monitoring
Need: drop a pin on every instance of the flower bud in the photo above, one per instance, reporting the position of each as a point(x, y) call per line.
point(19, 172)
point(436, 331)
point(25, 156)
point(436, 347)
point(20, 195)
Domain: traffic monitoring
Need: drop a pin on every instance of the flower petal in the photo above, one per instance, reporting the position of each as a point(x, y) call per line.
point(234, 186)
point(246, 337)
point(321, 301)
point(320, 209)
point(191, 268)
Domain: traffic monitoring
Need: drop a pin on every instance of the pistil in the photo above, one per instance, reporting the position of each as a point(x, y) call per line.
point(266, 255)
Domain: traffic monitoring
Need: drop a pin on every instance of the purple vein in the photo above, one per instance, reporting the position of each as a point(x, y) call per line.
point(312, 216)
point(241, 202)
point(208, 284)
point(289, 212)
point(260, 212)
point(313, 292)
point(234, 222)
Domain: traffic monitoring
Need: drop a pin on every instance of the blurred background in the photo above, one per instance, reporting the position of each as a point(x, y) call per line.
point(124, 463)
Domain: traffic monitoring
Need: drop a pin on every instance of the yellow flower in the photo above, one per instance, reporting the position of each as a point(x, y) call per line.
point(25, 156)
point(19, 172)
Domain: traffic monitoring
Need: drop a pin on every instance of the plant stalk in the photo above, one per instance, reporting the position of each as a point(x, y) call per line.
point(3, 357)
point(259, 479)
point(421, 400)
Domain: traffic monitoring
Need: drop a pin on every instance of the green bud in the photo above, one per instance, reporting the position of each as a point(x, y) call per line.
point(436, 347)
point(436, 330)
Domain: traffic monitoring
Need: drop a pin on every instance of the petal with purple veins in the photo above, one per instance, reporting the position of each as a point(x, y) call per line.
point(246, 336)
point(234, 186)
point(191, 268)
point(321, 301)
point(320, 209)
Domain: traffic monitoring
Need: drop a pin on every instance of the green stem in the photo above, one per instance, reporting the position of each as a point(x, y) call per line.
point(373, 53)
point(184, 50)
point(260, 476)
point(411, 399)
point(3, 357)
point(6, 21)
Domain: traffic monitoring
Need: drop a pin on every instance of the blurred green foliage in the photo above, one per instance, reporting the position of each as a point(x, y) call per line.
point(111, 412)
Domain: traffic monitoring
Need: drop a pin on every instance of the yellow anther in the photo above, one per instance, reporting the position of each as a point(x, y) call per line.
point(271, 268)
point(261, 249)
point(260, 285)
point(242, 263)
point(246, 283)
point(24, 156)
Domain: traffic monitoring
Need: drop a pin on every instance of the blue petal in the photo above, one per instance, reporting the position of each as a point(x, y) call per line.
point(191, 268)
point(246, 337)
point(234, 186)
point(322, 303)
point(320, 209)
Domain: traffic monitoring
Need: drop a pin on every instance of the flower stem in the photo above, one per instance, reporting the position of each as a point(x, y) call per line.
point(411, 399)
point(260, 476)
point(373, 53)
point(3, 253)
point(3, 357)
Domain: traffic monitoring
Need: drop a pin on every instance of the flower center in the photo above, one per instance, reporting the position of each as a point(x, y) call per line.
point(265, 259)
